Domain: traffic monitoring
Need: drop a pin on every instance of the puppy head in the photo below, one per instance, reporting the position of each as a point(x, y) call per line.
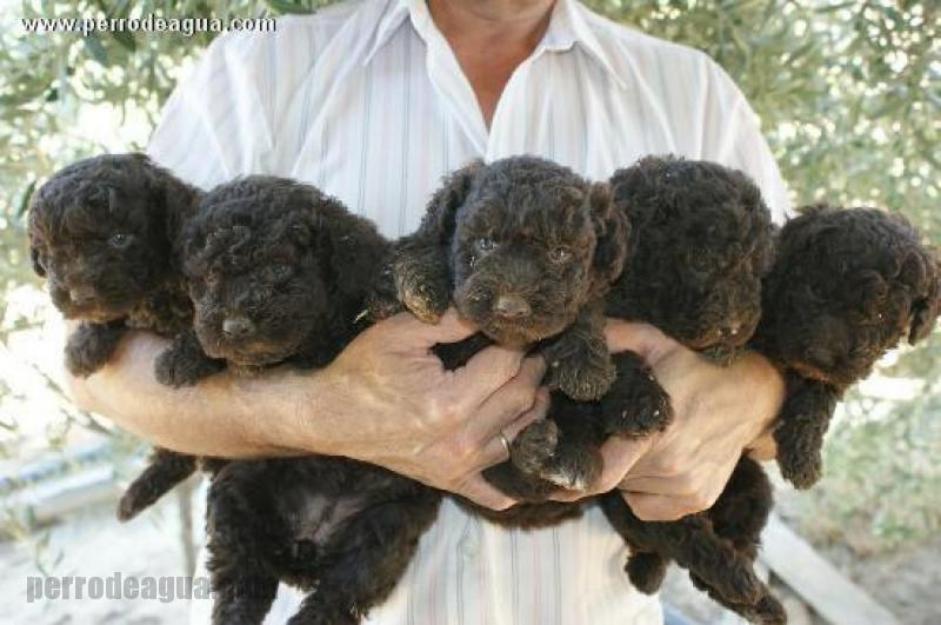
point(848, 285)
point(257, 268)
point(530, 243)
point(98, 234)
point(702, 243)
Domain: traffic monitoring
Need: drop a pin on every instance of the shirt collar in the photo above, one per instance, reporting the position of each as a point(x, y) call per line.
point(567, 26)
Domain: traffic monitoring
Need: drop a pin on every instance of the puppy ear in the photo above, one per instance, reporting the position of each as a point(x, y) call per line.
point(37, 265)
point(613, 230)
point(439, 220)
point(925, 310)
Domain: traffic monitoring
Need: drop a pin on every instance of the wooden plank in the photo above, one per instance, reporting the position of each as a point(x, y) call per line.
point(829, 593)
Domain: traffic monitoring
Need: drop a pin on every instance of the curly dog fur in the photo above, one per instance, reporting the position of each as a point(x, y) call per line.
point(279, 274)
point(721, 306)
point(702, 242)
point(103, 232)
point(847, 287)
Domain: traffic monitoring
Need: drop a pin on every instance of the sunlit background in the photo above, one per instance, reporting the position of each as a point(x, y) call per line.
point(849, 93)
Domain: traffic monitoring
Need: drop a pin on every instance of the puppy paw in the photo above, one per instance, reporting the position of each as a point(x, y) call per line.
point(90, 347)
point(803, 470)
point(646, 571)
point(426, 299)
point(585, 380)
point(537, 451)
point(178, 368)
point(533, 448)
point(637, 407)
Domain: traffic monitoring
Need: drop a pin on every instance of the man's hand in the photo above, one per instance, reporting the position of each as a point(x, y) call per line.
point(404, 411)
point(720, 412)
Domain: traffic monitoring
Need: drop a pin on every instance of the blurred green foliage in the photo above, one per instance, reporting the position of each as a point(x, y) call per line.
point(849, 92)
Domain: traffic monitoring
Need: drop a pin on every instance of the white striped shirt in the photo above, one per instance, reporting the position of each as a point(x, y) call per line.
point(367, 101)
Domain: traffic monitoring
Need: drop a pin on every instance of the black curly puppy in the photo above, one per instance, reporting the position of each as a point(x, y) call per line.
point(282, 287)
point(848, 286)
point(102, 232)
point(278, 274)
point(702, 241)
point(527, 249)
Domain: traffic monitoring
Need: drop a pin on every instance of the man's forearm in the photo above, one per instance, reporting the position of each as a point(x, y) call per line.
point(224, 415)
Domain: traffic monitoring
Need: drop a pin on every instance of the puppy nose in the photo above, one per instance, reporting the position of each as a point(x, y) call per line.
point(511, 307)
point(237, 327)
point(82, 294)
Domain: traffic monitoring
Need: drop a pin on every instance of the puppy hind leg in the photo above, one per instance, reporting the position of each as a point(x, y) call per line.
point(693, 544)
point(766, 610)
point(242, 537)
point(91, 346)
point(646, 570)
point(165, 470)
point(366, 559)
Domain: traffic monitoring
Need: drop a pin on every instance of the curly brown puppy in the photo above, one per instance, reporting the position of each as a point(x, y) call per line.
point(102, 232)
point(702, 242)
point(848, 286)
point(281, 287)
point(279, 273)
point(527, 249)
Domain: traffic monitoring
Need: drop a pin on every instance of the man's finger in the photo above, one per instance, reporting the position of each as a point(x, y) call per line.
point(493, 450)
point(509, 402)
point(619, 456)
point(764, 448)
point(489, 370)
point(679, 485)
point(482, 493)
point(451, 328)
point(641, 338)
point(659, 507)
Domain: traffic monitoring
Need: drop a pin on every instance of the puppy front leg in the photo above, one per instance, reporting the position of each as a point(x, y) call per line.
point(422, 279)
point(802, 423)
point(578, 359)
point(185, 363)
point(91, 346)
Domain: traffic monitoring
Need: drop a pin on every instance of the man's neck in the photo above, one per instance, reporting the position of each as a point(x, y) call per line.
point(490, 38)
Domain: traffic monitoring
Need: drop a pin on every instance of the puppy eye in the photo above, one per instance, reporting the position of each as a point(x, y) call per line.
point(120, 241)
point(560, 254)
point(485, 245)
point(279, 273)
